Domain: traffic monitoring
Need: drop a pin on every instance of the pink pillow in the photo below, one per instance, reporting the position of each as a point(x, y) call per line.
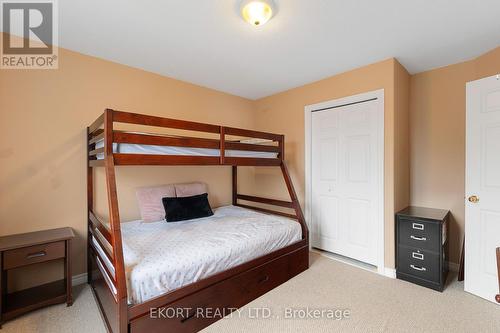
point(190, 189)
point(150, 203)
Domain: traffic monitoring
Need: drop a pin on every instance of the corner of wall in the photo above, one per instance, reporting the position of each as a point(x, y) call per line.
point(487, 64)
point(402, 137)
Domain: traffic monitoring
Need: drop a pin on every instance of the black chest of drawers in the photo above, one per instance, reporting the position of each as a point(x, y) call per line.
point(422, 246)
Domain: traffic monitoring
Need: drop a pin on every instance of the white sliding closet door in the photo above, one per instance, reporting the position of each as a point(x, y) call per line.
point(347, 162)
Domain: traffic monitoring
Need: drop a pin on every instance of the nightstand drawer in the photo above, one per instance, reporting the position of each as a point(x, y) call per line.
point(420, 234)
point(418, 263)
point(33, 254)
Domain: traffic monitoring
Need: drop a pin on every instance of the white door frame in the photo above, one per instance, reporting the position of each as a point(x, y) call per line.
point(372, 95)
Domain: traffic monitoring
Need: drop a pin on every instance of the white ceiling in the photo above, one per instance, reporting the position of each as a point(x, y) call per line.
point(205, 41)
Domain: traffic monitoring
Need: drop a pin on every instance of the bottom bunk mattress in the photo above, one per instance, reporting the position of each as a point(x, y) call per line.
point(163, 256)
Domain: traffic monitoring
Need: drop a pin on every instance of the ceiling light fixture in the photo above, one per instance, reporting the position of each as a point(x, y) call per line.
point(257, 12)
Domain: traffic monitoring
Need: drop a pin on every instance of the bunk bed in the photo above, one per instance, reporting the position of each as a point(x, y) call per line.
point(221, 292)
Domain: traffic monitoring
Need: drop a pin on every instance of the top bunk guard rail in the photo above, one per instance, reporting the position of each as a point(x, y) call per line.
point(97, 134)
point(105, 253)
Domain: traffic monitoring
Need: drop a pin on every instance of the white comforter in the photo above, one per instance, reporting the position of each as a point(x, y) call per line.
point(161, 256)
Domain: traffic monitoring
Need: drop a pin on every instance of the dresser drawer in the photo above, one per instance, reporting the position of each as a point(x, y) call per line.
point(420, 234)
point(419, 263)
point(33, 254)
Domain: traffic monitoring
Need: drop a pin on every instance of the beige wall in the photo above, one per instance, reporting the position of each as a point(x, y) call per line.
point(43, 116)
point(437, 138)
point(284, 113)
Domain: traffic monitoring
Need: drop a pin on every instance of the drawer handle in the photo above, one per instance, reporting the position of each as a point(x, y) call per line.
point(263, 279)
point(418, 238)
point(417, 226)
point(419, 256)
point(36, 255)
point(418, 268)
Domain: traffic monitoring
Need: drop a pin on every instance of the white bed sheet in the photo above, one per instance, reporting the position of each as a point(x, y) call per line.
point(132, 148)
point(162, 256)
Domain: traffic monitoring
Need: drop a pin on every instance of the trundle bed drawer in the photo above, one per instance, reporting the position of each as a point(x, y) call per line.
point(204, 307)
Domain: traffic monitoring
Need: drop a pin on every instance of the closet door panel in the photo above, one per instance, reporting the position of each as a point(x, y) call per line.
point(344, 180)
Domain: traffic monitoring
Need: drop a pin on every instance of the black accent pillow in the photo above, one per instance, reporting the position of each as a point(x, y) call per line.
point(186, 208)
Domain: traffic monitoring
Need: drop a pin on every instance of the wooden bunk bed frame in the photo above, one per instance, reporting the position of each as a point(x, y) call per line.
point(222, 292)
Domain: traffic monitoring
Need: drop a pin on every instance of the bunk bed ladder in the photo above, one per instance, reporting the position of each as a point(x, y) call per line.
point(293, 204)
point(293, 196)
point(114, 217)
point(113, 276)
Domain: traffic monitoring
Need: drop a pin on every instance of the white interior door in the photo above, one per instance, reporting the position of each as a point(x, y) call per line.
point(482, 216)
point(347, 162)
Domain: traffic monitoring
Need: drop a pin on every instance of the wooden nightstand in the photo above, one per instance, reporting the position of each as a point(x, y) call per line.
point(32, 248)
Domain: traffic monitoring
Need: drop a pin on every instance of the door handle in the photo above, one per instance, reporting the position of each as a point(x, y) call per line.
point(474, 199)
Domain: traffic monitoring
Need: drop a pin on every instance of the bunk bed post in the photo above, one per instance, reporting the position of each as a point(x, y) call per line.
point(281, 145)
point(235, 185)
point(114, 217)
point(295, 201)
point(222, 144)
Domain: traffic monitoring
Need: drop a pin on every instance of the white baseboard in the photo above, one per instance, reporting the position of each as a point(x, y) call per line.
point(390, 272)
point(387, 272)
point(79, 279)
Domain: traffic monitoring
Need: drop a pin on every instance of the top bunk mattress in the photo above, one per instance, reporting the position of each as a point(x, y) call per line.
point(164, 256)
point(132, 148)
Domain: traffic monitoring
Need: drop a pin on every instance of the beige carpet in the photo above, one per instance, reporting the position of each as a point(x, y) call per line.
point(83, 316)
point(375, 303)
